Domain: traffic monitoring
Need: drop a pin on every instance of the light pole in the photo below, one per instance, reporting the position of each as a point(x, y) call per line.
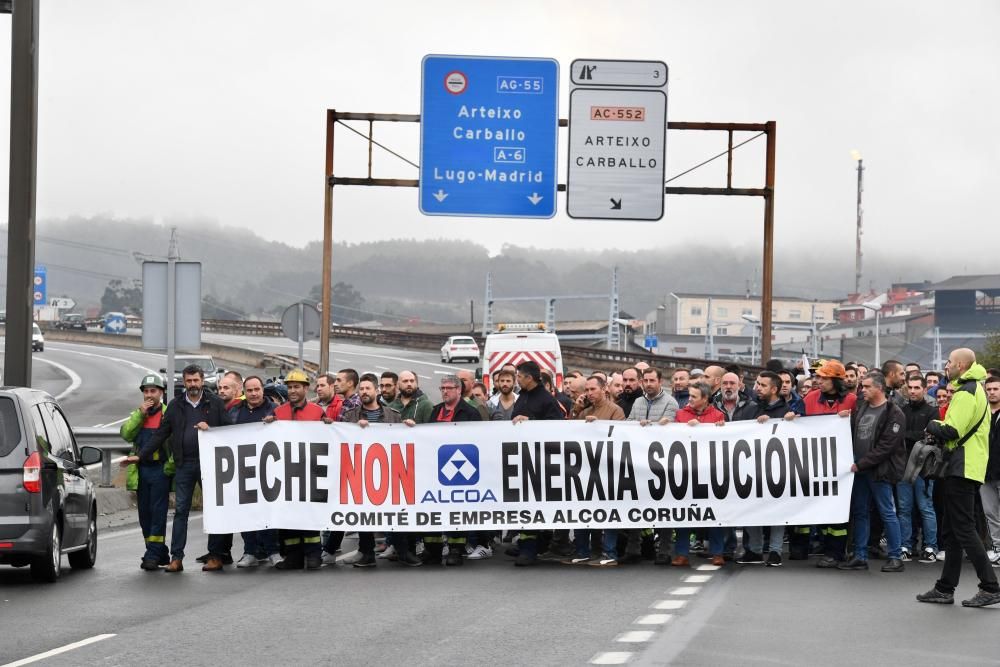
point(855, 155)
point(877, 308)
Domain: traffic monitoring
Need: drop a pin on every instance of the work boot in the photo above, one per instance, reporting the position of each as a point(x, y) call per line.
point(213, 564)
point(525, 560)
point(175, 566)
point(408, 558)
point(293, 561)
point(432, 554)
point(826, 563)
point(367, 561)
point(893, 565)
point(150, 564)
point(854, 564)
point(455, 555)
point(313, 562)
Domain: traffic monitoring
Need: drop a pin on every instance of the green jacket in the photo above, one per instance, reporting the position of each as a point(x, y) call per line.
point(131, 431)
point(418, 409)
point(968, 405)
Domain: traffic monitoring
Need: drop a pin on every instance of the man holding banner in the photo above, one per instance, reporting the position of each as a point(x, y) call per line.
point(534, 402)
point(302, 547)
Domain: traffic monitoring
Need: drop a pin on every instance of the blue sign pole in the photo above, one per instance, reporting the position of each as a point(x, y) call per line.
point(488, 136)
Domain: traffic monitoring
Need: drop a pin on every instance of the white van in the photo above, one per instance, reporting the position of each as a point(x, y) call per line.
point(514, 343)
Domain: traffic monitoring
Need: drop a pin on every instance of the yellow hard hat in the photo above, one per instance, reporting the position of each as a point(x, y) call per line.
point(297, 376)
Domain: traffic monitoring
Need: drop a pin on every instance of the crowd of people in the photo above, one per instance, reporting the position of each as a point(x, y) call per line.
point(891, 409)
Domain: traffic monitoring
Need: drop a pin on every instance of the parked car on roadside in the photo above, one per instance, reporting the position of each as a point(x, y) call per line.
point(48, 505)
point(460, 347)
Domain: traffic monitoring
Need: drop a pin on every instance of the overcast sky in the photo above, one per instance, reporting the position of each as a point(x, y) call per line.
point(216, 109)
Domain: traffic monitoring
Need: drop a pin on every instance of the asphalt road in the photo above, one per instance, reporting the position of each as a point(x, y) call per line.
point(487, 612)
point(96, 386)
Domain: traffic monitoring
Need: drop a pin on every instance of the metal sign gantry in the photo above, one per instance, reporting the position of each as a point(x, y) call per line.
point(769, 129)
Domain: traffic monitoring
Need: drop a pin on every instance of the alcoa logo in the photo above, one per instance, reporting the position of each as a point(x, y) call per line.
point(458, 465)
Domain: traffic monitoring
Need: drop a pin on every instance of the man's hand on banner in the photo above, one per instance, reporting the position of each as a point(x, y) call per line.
point(327, 420)
point(664, 421)
point(363, 423)
point(409, 422)
point(844, 413)
point(268, 419)
point(201, 426)
point(854, 467)
point(790, 416)
point(520, 418)
point(762, 419)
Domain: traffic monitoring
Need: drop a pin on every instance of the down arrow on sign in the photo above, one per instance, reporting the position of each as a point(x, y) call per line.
point(616, 205)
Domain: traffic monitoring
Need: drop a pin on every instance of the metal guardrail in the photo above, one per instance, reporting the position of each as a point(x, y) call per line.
point(107, 440)
point(427, 341)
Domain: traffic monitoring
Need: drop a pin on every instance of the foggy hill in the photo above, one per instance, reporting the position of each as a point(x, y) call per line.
point(430, 280)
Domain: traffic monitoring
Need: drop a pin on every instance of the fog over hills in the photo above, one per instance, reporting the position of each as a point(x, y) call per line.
point(435, 280)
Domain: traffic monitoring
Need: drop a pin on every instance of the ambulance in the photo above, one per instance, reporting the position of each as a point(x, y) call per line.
point(515, 343)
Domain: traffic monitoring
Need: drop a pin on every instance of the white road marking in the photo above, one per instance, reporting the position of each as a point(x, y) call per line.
point(635, 636)
point(74, 379)
point(696, 578)
point(441, 373)
point(425, 377)
point(382, 368)
point(653, 619)
point(133, 364)
point(685, 590)
point(707, 568)
point(61, 649)
point(669, 604)
point(611, 658)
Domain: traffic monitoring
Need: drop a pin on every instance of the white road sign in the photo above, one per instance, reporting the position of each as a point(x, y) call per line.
point(617, 154)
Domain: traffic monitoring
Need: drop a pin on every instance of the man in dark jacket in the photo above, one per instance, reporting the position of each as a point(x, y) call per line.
point(990, 490)
point(193, 411)
point(370, 411)
point(453, 408)
point(918, 413)
point(632, 389)
point(534, 402)
point(879, 427)
point(768, 405)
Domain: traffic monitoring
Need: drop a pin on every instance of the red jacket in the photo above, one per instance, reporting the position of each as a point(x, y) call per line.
point(710, 415)
point(815, 403)
point(333, 409)
point(310, 412)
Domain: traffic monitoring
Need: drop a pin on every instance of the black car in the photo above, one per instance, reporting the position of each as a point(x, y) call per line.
point(72, 321)
point(48, 506)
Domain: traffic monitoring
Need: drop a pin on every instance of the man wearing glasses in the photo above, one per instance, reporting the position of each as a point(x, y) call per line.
point(452, 408)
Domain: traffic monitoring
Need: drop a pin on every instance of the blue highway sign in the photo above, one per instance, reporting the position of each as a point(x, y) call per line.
point(488, 136)
point(40, 291)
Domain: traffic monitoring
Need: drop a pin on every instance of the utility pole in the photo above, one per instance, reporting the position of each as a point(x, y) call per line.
point(172, 257)
point(22, 179)
point(857, 250)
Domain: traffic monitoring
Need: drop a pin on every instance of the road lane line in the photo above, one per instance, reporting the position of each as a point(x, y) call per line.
point(425, 377)
point(669, 604)
point(133, 364)
point(685, 590)
point(707, 568)
point(611, 658)
point(74, 379)
point(653, 619)
point(57, 651)
point(635, 636)
point(382, 368)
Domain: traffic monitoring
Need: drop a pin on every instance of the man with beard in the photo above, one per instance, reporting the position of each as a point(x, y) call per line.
point(851, 378)
point(193, 411)
point(631, 390)
point(788, 392)
point(920, 492)
point(768, 405)
point(832, 397)
point(729, 399)
point(655, 406)
point(501, 404)
point(679, 386)
point(411, 402)
point(615, 387)
point(387, 387)
point(327, 398)
point(534, 402)
point(370, 411)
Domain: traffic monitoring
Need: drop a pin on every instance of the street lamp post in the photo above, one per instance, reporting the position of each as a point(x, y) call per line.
point(877, 309)
point(857, 250)
point(753, 336)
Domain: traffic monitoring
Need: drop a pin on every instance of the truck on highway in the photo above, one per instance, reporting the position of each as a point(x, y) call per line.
point(514, 343)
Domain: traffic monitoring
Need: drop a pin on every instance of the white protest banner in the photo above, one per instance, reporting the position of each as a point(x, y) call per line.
point(533, 475)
